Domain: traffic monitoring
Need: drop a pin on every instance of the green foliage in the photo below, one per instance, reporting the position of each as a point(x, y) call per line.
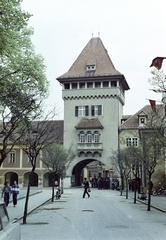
point(23, 83)
point(12, 21)
point(22, 72)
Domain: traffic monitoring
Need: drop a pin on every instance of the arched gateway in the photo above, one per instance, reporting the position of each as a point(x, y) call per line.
point(94, 95)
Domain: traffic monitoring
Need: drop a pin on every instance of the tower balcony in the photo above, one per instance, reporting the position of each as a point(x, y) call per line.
point(90, 146)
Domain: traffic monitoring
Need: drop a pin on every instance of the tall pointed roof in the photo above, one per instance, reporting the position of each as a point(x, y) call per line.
point(94, 53)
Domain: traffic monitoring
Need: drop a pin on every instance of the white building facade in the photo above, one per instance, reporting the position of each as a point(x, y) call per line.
point(94, 95)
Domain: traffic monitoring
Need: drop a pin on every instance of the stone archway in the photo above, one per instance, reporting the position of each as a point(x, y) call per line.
point(11, 177)
point(34, 180)
point(47, 180)
point(77, 172)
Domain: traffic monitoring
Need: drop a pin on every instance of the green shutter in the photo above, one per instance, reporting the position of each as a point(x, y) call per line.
point(92, 111)
point(86, 110)
point(99, 109)
point(76, 111)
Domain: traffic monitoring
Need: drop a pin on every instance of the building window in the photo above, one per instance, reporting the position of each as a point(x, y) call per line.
point(12, 157)
point(90, 85)
point(97, 84)
point(82, 85)
point(82, 137)
point(81, 111)
point(96, 110)
point(29, 159)
point(90, 67)
point(67, 86)
point(113, 83)
point(74, 85)
point(132, 142)
point(142, 120)
point(105, 84)
point(89, 136)
point(96, 136)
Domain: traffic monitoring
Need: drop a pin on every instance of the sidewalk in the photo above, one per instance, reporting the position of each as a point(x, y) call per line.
point(157, 202)
point(37, 198)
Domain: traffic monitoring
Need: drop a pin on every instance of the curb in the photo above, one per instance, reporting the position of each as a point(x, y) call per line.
point(33, 209)
point(157, 208)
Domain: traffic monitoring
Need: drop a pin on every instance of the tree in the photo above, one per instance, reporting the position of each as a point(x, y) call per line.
point(34, 138)
point(123, 165)
point(153, 154)
point(135, 154)
point(23, 83)
point(146, 158)
point(12, 21)
point(57, 160)
point(158, 80)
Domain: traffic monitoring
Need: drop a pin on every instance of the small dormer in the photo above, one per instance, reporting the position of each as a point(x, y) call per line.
point(91, 67)
point(142, 119)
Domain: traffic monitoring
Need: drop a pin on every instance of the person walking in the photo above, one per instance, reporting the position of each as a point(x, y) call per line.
point(6, 192)
point(86, 187)
point(15, 192)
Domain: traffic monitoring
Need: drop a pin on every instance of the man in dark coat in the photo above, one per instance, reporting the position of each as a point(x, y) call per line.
point(86, 187)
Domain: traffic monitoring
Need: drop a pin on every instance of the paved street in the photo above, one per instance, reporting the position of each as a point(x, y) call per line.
point(105, 215)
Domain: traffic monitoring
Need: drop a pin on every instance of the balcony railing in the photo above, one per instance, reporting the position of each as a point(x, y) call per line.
point(90, 146)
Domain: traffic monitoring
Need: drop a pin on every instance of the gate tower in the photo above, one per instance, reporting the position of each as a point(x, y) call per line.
point(94, 95)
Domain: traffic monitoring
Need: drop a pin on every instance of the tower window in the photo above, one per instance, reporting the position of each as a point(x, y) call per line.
point(97, 84)
point(81, 111)
point(74, 85)
point(105, 84)
point(82, 136)
point(82, 85)
point(90, 85)
point(96, 136)
point(89, 136)
point(90, 67)
point(96, 110)
point(67, 86)
point(113, 83)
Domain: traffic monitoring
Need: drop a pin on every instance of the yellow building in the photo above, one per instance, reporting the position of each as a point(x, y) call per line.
point(131, 134)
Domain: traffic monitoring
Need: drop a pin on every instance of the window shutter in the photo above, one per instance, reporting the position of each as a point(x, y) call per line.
point(86, 110)
point(92, 110)
point(76, 111)
point(99, 109)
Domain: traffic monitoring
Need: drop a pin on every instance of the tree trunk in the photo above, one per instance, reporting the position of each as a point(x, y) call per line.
point(149, 193)
point(53, 187)
point(27, 198)
point(121, 190)
point(135, 190)
point(127, 192)
point(61, 185)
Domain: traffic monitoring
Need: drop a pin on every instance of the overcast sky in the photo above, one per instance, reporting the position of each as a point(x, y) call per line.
point(132, 31)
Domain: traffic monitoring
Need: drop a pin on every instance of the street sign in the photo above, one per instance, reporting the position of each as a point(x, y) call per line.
point(111, 170)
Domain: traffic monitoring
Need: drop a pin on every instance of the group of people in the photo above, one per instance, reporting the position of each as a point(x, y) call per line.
point(100, 183)
point(104, 183)
point(7, 191)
